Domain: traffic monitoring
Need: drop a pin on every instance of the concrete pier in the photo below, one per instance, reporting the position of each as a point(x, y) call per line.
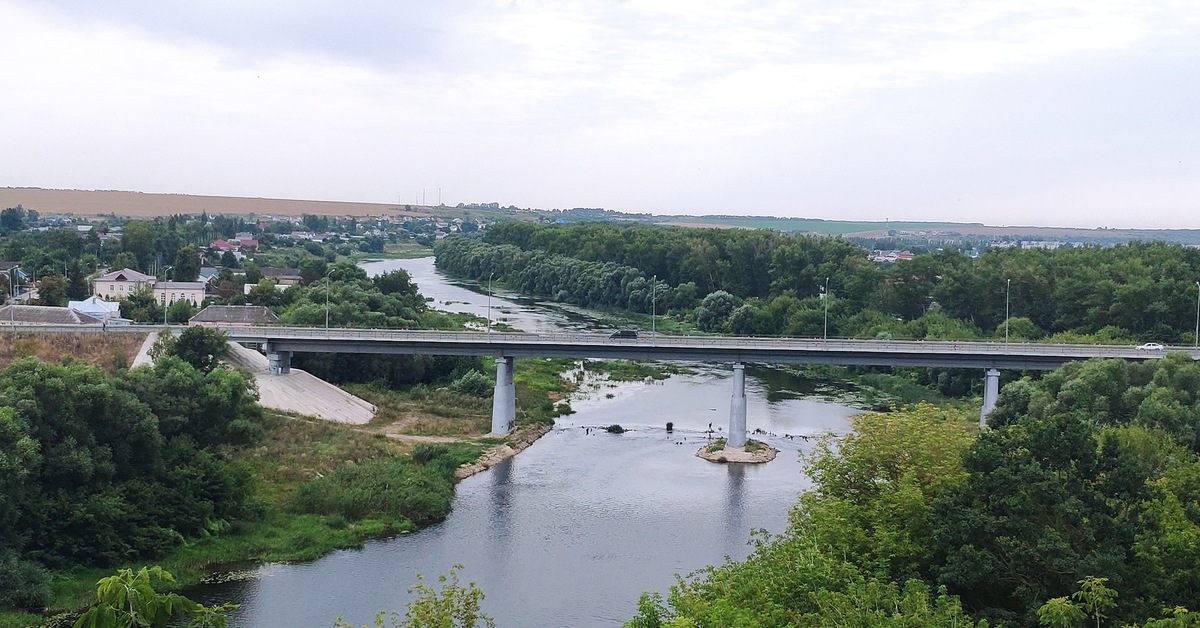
point(279, 362)
point(737, 408)
point(991, 390)
point(504, 401)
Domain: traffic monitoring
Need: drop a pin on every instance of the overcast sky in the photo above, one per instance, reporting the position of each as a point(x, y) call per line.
point(1049, 113)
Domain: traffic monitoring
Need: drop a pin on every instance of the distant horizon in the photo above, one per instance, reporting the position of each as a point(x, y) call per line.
point(10, 193)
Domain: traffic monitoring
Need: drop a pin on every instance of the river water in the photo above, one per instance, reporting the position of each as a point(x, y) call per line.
point(573, 529)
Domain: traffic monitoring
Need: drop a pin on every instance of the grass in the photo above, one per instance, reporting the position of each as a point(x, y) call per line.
point(109, 351)
point(634, 370)
point(428, 412)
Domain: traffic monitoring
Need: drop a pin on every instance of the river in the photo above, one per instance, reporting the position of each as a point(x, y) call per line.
point(573, 529)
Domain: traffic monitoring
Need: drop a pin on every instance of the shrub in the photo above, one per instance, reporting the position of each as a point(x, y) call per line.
point(615, 429)
point(393, 488)
point(472, 383)
point(24, 585)
point(425, 452)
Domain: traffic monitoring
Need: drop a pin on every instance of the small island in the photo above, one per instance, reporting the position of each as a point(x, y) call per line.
point(753, 452)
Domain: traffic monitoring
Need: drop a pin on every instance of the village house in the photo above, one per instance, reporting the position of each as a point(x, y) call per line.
point(119, 284)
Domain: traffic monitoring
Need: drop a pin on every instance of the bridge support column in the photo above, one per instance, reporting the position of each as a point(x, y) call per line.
point(737, 408)
point(278, 362)
point(991, 390)
point(504, 401)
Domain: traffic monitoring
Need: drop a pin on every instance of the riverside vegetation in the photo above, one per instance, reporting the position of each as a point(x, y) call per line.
point(1079, 504)
point(265, 486)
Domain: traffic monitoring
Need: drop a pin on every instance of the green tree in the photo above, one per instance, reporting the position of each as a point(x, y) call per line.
point(180, 312)
point(187, 264)
point(202, 347)
point(77, 284)
point(129, 600)
point(52, 290)
point(452, 605)
point(13, 219)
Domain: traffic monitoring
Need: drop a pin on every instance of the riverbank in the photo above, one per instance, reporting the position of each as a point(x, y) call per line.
point(522, 438)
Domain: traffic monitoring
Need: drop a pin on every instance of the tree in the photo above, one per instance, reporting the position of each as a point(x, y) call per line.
point(129, 600)
point(180, 311)
point(714, 310)
point(202, 347)
point(77, 285)
point(52, 290)
point(12, 219)
point(187, 264)
point(451, 606)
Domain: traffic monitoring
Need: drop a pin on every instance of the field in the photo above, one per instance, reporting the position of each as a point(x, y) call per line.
point(139, 205)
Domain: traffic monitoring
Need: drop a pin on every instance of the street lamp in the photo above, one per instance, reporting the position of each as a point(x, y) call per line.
point(489, 311)
point(1196, 338)
point(1007, 287)
point(653, 302)
point(826, 298)
point(327, 272)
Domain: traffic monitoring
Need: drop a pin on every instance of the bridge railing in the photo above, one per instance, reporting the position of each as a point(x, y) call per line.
point(731, 342)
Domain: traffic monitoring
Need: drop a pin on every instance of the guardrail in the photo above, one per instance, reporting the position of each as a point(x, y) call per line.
point(656, 341)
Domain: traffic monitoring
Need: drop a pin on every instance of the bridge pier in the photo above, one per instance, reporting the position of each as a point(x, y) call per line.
point(504, 401)
point(991, 390)
point(278, 362)
point(737, 408)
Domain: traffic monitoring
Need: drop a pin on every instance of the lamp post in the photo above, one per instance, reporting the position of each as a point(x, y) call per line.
point(1007, 288)
point(489, 309)
point(653, 303)
point(1196, 338)
point(327, 300)
point(825, 334)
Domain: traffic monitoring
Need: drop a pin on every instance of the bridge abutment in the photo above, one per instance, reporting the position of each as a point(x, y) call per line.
point(504, 401)
point(991, 390)
point(737, 408)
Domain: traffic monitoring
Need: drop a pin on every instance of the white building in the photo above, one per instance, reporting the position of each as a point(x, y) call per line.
point(168, 292)
point(97, 307)
point(119, 284)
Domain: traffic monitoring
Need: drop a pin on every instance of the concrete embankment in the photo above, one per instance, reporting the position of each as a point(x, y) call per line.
point(299, 391)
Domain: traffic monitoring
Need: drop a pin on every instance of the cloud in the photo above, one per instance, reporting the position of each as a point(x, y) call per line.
point(934, 109)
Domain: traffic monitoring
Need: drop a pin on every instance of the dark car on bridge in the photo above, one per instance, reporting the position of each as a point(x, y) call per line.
point(628, 334)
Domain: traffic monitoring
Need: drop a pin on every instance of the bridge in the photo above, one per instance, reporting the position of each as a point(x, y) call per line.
point(281, 342)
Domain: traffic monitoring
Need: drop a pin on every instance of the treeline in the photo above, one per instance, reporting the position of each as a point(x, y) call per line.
point(98, 470)
point(347, 297)
point(766, 283)
point(1082, 502)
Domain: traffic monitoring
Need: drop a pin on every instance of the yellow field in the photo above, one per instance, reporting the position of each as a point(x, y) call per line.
point(137, 204)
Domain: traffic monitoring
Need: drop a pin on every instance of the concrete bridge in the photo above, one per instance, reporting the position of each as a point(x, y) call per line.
point(281, 342)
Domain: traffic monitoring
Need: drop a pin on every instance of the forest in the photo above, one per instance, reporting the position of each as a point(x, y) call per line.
point(755, 282)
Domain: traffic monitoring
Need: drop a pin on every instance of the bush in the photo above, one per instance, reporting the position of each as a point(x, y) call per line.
point(24, 585)
point(472, 383)
point(393, 488)
point(426, 452)
point(614, 429)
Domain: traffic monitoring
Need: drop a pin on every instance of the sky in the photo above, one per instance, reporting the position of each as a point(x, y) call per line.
point(1079, 113)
